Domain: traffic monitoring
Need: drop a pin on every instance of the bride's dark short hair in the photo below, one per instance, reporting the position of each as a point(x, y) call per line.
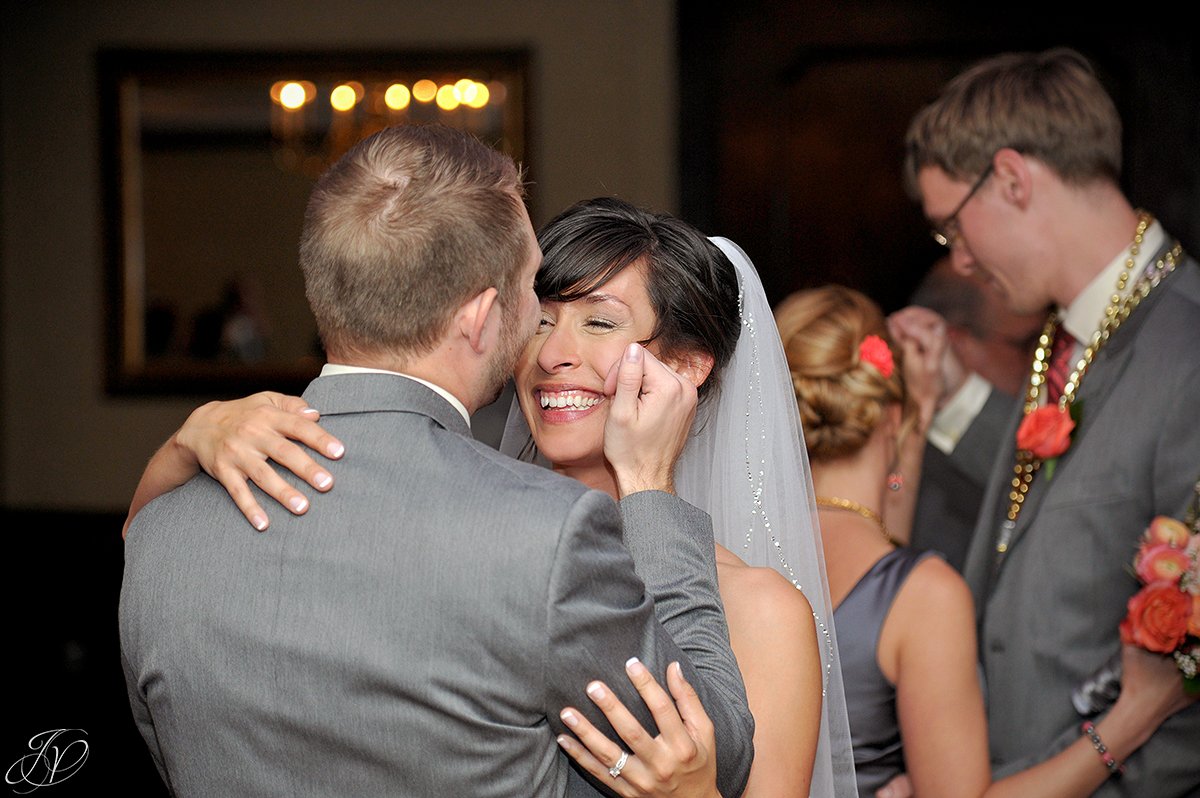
point(692, 286)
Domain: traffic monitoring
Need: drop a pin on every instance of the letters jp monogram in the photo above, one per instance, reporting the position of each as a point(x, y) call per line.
point(51, 762)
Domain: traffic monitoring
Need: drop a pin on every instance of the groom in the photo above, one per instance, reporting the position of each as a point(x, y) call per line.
point(418, 632)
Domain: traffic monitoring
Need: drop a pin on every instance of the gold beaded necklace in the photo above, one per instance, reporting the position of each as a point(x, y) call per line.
point(838, 503)
point(1118, 310)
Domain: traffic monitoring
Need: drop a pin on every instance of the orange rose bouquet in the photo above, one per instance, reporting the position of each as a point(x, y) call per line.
point(1163, 616)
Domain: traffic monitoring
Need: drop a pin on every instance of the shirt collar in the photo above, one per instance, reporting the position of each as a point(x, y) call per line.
point(330, 369)
point(1085, 314)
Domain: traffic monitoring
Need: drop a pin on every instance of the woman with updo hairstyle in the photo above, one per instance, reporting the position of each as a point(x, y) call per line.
point(843, 396)
point(854, 411)
point(905, 619)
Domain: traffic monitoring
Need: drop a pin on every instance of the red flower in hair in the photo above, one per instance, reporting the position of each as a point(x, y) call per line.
point(874, 350)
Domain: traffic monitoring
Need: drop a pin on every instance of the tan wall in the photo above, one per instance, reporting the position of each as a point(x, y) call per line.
point(603, 83)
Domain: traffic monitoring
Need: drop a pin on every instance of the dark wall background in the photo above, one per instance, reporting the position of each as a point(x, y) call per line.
point(794, 113)
point(64, 654)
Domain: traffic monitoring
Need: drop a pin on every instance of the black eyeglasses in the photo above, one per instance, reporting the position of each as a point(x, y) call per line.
point(947, 232)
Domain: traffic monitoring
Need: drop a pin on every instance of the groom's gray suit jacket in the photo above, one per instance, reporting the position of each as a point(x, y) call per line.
point(419, 629)
point(1050, 605)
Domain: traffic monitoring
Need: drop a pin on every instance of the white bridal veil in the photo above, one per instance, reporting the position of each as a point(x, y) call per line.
point(746, 465)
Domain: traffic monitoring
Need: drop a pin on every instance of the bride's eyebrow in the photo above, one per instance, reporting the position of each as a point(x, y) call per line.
point(599, 298)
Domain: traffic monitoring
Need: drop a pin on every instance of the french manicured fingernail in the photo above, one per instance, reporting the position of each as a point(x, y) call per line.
point(335, 450)
point(323, 480)
point(562, 740)
point(569, 718)
point(596, 691)
point(310, 411)
point(633, 353)
point(634, 666)
point(259, 522)
point(298, 504)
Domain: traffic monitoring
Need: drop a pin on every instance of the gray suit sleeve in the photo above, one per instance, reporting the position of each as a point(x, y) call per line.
point(601, 613)
point(142, 718)
point(673, 551)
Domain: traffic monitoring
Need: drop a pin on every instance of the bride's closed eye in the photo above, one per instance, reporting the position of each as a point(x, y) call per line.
point(601, 324)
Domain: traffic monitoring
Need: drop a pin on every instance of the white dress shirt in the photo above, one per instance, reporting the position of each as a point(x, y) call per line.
point(1081, 319)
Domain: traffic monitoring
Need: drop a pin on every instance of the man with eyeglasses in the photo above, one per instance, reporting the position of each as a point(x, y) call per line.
point(1017, 165)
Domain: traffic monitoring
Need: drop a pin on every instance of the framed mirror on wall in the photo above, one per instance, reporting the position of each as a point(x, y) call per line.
point(208, 160)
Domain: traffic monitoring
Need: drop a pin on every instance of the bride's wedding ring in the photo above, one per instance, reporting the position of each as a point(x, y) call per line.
point(615, 770)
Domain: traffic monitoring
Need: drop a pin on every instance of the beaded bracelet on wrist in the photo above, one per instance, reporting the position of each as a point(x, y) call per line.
point(1115, 768)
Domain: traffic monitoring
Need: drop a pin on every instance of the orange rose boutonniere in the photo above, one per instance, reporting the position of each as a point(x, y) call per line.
point(1046, 432)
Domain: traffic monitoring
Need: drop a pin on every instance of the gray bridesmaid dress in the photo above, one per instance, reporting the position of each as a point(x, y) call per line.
point(870, 697)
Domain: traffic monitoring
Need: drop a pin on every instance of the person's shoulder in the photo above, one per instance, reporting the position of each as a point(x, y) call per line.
point(765, 594)
point(1181, 300)
point(1165, 343)
point(933, 583)
point(932, 574)
point(933, 589)
point(527, 483)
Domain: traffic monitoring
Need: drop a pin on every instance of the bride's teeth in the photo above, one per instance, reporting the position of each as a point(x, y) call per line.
point(576, 401)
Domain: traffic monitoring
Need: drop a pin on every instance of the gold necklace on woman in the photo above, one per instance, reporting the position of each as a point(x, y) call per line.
point(1119, 308)
point(839, 503)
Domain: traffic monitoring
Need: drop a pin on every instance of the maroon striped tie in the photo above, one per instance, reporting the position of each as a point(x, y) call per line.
point(1060, 364)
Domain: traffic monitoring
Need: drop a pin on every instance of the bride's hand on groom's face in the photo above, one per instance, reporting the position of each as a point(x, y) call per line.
point(649, 417)
point(234, 442)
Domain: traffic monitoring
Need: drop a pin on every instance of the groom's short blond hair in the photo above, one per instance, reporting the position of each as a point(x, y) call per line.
point(409, 224)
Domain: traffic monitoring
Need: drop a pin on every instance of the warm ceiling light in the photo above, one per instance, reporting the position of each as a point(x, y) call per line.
point(343, 97)
point(424, 90)
point(446, 99)
point(397, 96)
point(465, 91)
point(481, 96)
point(291, 95)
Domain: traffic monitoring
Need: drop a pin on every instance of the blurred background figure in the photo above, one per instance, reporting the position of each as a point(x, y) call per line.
point(987, 340)
point(236, 328)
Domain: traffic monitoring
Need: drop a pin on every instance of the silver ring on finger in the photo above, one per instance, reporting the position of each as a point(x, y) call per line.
point(616, 769)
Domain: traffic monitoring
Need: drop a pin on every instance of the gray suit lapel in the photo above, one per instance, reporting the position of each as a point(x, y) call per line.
point(345, 394)
point(1105, 372)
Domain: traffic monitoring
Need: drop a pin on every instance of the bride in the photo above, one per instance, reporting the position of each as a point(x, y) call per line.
point(613, 274)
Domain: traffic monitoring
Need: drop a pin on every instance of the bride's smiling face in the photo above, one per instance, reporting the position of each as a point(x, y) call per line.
point(560, 375)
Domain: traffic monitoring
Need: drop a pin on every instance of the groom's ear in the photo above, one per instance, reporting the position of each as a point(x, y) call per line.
point(478, 320)
point(695, 366)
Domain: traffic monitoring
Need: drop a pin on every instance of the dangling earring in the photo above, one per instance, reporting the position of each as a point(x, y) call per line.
point(895, 480)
